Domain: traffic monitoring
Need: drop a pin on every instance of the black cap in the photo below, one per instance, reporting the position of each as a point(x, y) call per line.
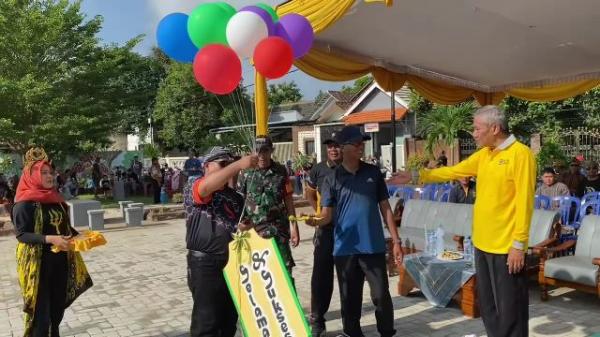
point(263, 143)
point(218, 153)
point(350, 135)
point(330, 140)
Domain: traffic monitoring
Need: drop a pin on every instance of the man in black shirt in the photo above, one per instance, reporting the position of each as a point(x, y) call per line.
point(592, 181)
point(463, 192)
point(213, 220)
point(321, 284)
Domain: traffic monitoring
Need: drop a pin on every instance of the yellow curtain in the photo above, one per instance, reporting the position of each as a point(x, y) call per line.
point(557, 92)
point(320, 13)
point(329, 66)
point(388, 3)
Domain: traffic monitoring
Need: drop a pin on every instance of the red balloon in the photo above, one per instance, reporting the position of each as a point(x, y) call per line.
point(218, 69)
point(273, 57)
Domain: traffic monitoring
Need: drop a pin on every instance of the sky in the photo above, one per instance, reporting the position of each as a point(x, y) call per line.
point(125, 19)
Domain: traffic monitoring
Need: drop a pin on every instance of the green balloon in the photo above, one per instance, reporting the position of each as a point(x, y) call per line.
point(229, 8)
point(269, 9)
point(207, 24)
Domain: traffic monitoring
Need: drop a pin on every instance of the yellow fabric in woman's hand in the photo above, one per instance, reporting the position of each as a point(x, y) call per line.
point(85, 241)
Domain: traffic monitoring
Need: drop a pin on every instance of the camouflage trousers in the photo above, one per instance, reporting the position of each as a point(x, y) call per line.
point(286, 255)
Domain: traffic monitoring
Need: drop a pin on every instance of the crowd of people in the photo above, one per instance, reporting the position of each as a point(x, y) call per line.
point(225, 194)
point(581, 178)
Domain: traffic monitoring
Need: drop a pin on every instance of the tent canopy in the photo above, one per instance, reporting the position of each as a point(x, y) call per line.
point(540, 50)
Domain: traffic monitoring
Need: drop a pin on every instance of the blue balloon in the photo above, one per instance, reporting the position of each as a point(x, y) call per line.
point(173, 38)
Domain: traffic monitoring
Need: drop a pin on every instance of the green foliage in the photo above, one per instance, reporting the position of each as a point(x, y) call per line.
point(7, 164)
point(231, 140)
point(550, 153)
point(444, 123)
point(301, 161)
point(184, 113)
point(419, 104)
point(549, 118)
point(282, 93)
point(58, 87)
point(358, 85)
point(417, 162)
point(150, 151)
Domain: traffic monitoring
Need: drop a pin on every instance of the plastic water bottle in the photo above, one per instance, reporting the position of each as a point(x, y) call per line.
point(468, 249)
point(439, 240)
point(164, 197)
point(430, 242)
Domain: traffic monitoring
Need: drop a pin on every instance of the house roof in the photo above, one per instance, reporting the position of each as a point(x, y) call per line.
point(374, 116)
point(402, 97)
point(342, 99)
point(305, 109)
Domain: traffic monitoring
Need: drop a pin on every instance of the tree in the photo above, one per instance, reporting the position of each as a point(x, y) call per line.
point(419, 104)
point(358, 85)
point(58, 87)
point(321, 97)
point(549, 118)
point(286, 92)
point(184, 113)
point(444, 123)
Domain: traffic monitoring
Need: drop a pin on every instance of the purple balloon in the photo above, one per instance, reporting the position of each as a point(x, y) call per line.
point(297, 30)
point(264, 15)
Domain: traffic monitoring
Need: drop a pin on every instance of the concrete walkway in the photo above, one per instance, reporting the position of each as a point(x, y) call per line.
point(141, 290)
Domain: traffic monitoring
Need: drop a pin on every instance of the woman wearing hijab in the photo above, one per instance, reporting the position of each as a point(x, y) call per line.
point(49, 281)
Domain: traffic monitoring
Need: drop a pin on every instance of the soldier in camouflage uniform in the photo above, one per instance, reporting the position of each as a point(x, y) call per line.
point(269, 202)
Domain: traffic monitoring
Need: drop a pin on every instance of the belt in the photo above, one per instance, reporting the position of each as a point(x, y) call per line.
point(196, 253)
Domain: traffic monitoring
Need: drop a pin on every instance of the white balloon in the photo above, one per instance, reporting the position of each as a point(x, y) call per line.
point(244, 31)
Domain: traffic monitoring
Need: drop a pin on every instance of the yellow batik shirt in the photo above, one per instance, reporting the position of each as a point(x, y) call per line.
point(505, 194)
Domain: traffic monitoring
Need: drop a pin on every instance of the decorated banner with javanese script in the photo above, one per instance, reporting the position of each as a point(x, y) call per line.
point(262, 290)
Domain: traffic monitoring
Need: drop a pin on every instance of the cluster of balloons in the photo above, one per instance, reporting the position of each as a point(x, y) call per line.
point(214, 37)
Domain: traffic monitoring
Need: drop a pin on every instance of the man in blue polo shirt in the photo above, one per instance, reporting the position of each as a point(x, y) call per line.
point(354, 197)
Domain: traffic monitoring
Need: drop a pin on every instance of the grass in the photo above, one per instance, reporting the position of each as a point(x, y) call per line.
point(111, 203)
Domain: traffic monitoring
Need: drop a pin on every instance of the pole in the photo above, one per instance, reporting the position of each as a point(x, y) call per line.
point(393, 105)
point(260, 104)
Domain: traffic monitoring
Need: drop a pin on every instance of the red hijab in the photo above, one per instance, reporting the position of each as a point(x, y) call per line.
point(31, 189)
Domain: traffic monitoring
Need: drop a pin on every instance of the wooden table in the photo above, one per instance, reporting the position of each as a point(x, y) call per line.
point(466, 296)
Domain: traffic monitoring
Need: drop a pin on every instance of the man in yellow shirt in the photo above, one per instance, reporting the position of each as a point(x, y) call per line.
point(505, 171)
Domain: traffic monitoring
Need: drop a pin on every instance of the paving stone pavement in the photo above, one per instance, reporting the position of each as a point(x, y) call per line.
point(141, 290)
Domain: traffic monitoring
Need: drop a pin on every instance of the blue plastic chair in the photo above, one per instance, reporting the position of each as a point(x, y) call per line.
point(428, 192)
point(592, 196)
point(443, 192)
point(404, 193)
point(542, 202)
point(443, 195)
point(569, 210)
point(592, 206)
point(393, 188)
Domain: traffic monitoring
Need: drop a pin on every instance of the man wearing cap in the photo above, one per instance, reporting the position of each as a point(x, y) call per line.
point(269, 202)
point(321, 284)
point(217, 210)
point(354, 197)
point(574, 179)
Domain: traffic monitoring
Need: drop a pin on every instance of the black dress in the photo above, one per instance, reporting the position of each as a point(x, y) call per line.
point(58, 285)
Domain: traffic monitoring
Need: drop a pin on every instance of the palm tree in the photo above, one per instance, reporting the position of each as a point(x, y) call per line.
point(444, 123)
